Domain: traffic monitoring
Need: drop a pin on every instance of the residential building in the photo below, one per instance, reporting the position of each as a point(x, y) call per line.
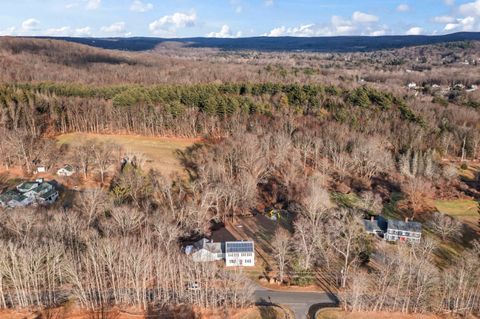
point(239, 254)
point(375, 226)
point(403, 231)
point(28, 193)
point(66, 171)
point(205, 250)
point(235, 253)
point(394, 230)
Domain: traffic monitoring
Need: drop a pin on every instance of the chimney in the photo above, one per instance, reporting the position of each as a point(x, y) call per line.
point(406, 219)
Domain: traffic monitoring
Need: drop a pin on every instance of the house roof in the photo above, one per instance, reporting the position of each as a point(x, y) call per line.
point(43, 188)
point(208, 245)
point(239, 246)
point(405, 226)
point(377, 225)
point(27, 186)
point(46, 195)
point(371, 226)
point(12, 195)
point(68, 168)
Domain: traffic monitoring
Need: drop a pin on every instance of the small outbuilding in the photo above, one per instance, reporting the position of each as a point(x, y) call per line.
point(66, 171)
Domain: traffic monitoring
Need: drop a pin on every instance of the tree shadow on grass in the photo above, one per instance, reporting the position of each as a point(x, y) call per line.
point(181, 312)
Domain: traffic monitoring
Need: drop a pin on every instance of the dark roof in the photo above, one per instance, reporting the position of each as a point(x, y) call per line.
point(12, 195)
point(377, 225)
point(239, 246)
point(371, 226)
point(405, 226)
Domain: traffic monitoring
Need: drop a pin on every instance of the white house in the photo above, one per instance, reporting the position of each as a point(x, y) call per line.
point(403, 231)
point(205, 251)
point(66, 171)
point(239, 253)
point(235, 253)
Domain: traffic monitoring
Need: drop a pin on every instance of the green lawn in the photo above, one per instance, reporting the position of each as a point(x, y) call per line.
point(461, 208)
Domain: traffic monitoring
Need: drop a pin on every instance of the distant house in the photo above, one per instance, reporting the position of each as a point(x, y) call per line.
point(394, 230)
point(403, 231)
point(472, 88)
point(66, 171)
point(40, 169)
point(235, 253)
point(412, 85)
point(239, 253)
point(28, 193)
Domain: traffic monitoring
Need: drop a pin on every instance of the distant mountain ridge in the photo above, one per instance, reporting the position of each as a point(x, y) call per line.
point(291, 44)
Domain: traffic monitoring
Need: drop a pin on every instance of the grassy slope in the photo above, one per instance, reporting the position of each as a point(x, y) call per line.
point(161, 153)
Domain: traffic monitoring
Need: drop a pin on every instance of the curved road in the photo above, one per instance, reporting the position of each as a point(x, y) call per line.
point(303, 304)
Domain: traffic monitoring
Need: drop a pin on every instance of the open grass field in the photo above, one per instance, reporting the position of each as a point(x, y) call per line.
point(160, 153)
point(463, 209)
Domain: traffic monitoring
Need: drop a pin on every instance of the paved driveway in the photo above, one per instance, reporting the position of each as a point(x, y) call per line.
point(302, 303)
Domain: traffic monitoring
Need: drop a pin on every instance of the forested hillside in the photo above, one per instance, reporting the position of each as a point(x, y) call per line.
point(319, 141)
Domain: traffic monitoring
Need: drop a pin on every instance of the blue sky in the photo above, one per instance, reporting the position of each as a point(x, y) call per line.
point(236, 18)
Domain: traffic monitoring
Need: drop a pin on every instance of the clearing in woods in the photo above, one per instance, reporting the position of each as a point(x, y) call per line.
point(160, 152)
point(463, 209)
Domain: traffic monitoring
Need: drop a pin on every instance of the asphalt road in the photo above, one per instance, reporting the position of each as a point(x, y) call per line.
point(302, 303)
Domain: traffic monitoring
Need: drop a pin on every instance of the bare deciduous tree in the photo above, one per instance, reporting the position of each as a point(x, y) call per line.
point(445, 226)
point(282, 248)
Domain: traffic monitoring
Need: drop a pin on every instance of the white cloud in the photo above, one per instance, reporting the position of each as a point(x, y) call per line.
point(62, 31)
point(465, 24)
point(443, 19)
point(467, 18)
point(236, 5)
point(169, 23)
point(139, 6)
point(69, 6)
point(225, 32)
point(116, 28)
point(359, 23)
point(8, 31)
point(69, 31)
point(414, 31)
point(93, 4)
point(307, 30)
point(378, 33)
point(30, 25)
point(82, 32)
point(470, 9)
point(269, 3)
point(403, 7)
point(362, 17)
point(449, 2)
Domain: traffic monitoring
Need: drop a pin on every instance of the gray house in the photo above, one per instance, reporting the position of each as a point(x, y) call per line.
point(403, 231)
point(375, 226)
point(394, 230)
point(28, 193)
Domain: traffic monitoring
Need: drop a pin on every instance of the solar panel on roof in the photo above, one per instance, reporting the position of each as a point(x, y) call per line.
point(239, 247)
